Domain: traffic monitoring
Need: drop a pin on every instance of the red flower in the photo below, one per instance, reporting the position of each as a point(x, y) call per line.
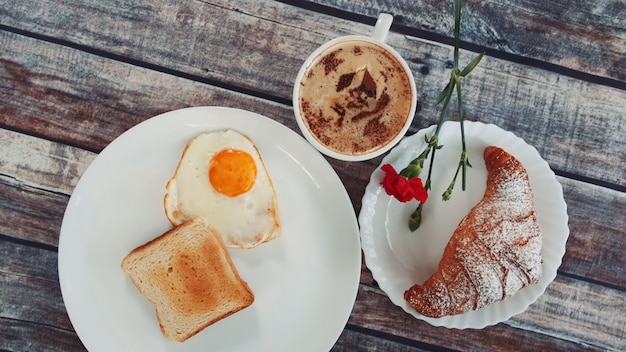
point(402, 188)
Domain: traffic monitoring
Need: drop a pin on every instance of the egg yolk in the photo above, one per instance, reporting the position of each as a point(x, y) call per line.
point(232, 172)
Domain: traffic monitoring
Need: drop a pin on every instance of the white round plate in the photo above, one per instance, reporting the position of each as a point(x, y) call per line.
point(305, 281)
point(399, 258)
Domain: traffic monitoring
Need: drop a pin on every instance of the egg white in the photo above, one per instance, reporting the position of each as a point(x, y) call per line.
point(243, 221)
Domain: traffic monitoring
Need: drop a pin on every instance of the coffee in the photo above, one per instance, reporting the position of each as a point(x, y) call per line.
point(355, 97)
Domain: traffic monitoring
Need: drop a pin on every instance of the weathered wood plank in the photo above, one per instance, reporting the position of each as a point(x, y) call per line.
point(109, 95)
point(597, 241)
point(24, 336)
point(32, 314)
point(87, 101)
point(42, 164)
point(546, 325)
point(588, 36)
point(357, 341)
point(573, 35)
point(28, 293)
point(27, 261)
point(30, 214)
point(557, 313)
point(145, 31)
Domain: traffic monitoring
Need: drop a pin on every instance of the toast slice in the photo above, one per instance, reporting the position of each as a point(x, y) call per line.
point(188, 274)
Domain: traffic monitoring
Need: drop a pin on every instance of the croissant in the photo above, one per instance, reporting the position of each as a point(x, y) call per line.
point(494, 251)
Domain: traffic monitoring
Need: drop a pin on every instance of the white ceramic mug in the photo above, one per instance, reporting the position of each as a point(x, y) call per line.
point(402, 116)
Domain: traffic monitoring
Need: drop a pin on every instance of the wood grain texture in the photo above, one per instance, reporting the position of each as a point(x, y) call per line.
point(74, 75)
point(24, 336)
point(102, 97)
point(31, 214)
point(595, 248)
point(32, 313)
point(357, 341)
point(374, 310)
point(588, 36)
point(29, 286)
point(41, 163)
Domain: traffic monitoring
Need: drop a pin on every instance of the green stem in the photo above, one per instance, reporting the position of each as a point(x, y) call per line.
point(430, 169)
point(446, 103)
point(457, 32)
point(464, 159)
point(433, 142)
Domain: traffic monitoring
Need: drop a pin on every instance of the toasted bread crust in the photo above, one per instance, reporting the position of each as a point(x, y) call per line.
point(189, 276)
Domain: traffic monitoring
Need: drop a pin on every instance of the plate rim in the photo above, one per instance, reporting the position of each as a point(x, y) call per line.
point(313, 157)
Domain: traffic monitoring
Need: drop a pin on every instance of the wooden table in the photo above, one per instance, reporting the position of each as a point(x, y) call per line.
point(76, 74)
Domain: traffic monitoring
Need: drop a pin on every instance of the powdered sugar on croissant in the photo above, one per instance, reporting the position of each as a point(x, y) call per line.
point(495, 250)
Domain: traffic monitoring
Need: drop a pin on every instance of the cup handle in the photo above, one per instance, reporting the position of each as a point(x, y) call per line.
point(383, 23)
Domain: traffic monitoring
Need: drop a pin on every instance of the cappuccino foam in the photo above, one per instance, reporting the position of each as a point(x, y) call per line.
point(355, 97)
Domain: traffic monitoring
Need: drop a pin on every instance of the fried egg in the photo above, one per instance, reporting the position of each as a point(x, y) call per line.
point(222, 178)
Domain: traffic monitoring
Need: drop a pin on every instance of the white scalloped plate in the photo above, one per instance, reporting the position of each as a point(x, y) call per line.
point(399, 258)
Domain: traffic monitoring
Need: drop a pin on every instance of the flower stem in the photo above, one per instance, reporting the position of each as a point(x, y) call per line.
point(454, 84)
point(464, 158)
point(457, 32)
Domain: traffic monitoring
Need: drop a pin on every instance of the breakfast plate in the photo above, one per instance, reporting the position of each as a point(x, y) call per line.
point(305, 281)
point(399, 258)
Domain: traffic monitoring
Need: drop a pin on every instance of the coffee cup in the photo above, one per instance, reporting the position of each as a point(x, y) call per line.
point(354, 97)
